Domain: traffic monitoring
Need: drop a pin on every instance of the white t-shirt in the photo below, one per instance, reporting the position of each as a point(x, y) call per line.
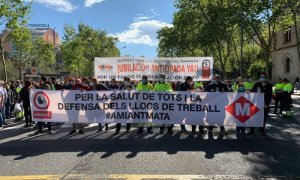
point(1, 91)
point(1, 96)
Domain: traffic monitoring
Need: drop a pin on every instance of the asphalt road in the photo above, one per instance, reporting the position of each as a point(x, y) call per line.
point(133, 156)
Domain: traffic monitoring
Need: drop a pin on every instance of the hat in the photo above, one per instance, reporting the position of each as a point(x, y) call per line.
point(263, 77)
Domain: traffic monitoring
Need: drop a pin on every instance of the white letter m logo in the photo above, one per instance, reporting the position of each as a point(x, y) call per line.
point(242, 111)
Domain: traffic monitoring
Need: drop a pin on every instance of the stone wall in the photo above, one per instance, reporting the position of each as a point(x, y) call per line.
point(278, 64)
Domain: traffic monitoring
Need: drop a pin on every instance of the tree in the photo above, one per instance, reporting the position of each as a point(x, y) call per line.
point(43, 54)
point(80, 48)
point(291, 17)
point(22, 56)
point(12, 16)
point(201, 28)
point(215, 27)
point(261, 21)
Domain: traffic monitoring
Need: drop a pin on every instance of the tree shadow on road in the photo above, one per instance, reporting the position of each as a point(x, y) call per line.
point(275, 154)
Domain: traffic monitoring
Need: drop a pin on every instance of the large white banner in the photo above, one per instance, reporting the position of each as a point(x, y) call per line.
point(193, 108)
point(175, 69)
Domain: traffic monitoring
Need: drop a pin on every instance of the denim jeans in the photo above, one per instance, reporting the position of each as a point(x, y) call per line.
point(40, 126)
point(1, 116)
point(3, 113)
point(7, 109)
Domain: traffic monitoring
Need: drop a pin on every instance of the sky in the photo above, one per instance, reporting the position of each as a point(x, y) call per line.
point(134, 22)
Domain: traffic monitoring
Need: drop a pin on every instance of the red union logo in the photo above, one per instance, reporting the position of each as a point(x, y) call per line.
point(42, 114)
point(242, 109)
point(105, 67)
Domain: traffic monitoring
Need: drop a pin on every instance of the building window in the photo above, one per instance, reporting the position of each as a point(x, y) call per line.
point(287, 66)
point(288, 35)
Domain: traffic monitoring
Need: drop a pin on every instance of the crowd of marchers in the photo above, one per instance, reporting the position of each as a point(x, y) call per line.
point(15, 98)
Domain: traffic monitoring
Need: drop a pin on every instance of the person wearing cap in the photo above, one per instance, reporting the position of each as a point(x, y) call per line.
point(216, 85)
point(248, 84)
point(263, 86)
point(125, 86)
point(144, 86)
point(164, 86)
point(278, 94)
point(287, 97)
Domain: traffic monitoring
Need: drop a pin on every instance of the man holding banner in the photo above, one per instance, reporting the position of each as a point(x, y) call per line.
point(125, 86)
point(83, 86)
point(263, 86)
point(144, 86)
point(39, 125)
point(187, 86)
point(216, 86)
point(112, 86)
point(164, 86)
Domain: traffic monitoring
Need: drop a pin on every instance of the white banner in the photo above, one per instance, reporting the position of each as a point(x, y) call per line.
point(193, 108)
point(175, 69)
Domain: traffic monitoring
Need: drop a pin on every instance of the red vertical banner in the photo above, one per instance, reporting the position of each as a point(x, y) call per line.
point(206, 69)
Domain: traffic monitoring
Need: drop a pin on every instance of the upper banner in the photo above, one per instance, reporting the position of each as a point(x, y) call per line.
point(192, 108)
point(175, 69)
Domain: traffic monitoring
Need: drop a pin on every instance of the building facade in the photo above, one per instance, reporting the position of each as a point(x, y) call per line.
point(285, 60)
point(47, 34)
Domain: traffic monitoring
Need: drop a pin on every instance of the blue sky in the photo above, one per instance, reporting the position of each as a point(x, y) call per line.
point(134, 22)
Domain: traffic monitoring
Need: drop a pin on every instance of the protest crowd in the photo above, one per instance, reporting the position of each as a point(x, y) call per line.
point(15, 98)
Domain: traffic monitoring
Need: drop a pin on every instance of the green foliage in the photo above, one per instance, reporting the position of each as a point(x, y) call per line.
point(43, 54)
point(29, 51)
point(202, 28)
point(213, 28)
point(22, 41)
point(255, 69)
point(290, 18)
point(81, 46)
point(13, 16)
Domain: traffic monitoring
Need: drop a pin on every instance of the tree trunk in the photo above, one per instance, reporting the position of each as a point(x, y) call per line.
point(222, 63)
point(298, 39)
point(20, 69)
point(4, 64)
point(267, 62)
